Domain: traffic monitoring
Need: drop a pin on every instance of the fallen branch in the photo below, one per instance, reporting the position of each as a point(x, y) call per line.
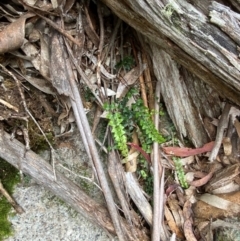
point(13, 152)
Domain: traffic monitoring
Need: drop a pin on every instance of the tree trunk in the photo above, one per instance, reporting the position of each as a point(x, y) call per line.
point(202, 37)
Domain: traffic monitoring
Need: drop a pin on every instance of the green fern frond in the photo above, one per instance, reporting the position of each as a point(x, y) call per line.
point(124, 119)
point(180, 172)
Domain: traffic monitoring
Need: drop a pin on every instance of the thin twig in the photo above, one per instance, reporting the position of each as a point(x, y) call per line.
point(220, 130)
point(16, 206)
point(112, 39)
point(8, 105)
point(100, 48)
point(97, 162)
point(82, 177)
point(88, 27)
point(156, 179)
point(141, 80)
point(79, 124)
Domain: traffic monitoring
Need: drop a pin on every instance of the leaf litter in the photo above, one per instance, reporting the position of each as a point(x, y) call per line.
point(45, 44)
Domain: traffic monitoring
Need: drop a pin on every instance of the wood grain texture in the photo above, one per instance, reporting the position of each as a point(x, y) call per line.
point(185, 33)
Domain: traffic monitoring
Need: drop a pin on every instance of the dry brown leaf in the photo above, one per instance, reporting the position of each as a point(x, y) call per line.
point(30, 2)
point(12, 37)
point(187, 227)
point(204, 210)
point(136, 194)
point(202, 181)
point(184, 151)
point(227, 146)
point(41, 84)
point(45, 58)
point(227, 188)
point(131, 165)
point(172, 224)
point(31, 51)
point(220, 203)
point(174, 207)
point(95, 62)
point(58, 65)
point(223, 177)
point(128, 80)
point(188, 231)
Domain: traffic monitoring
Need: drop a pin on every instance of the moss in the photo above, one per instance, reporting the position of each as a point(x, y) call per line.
point(168, 10)
point(5, 225)
point(39, 143)
point(9, 176)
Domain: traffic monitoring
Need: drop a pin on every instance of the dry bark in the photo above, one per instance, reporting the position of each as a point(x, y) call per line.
point(30, 163)
point(187, 98)
point(190, 35)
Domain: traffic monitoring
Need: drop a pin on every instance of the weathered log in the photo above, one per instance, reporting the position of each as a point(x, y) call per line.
point(187, 35)
point(30, 163)
point(236, 4)
point(186, 97)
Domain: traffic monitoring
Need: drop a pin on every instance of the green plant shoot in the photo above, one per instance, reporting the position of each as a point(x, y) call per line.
point(180, 172)
point(123, 119)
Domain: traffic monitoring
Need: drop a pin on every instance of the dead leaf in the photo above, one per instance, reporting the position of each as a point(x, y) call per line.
point(102, 69)
point(202, 181)
point(41, 84)
point(207, 211)
point(58, 65)
point(227, 188)
point(12, 37)
point(223, 177)
point(68, 5)
point(220, 203)
point(187, 160)
point(172, 223)
point(188, 231)
point(184, 152)
point(128, 80)
point(31, 51)
point(137, 147)
point(131, 165)
point(171, 189)
point(227, 146)
point(176, 211)
point(45, 58)
point(187, 227)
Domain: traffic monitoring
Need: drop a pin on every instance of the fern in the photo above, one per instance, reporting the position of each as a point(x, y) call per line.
point(127, 63)
point(149, 133)
point(118, 131)
point(180, 173)
point(124, 119)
